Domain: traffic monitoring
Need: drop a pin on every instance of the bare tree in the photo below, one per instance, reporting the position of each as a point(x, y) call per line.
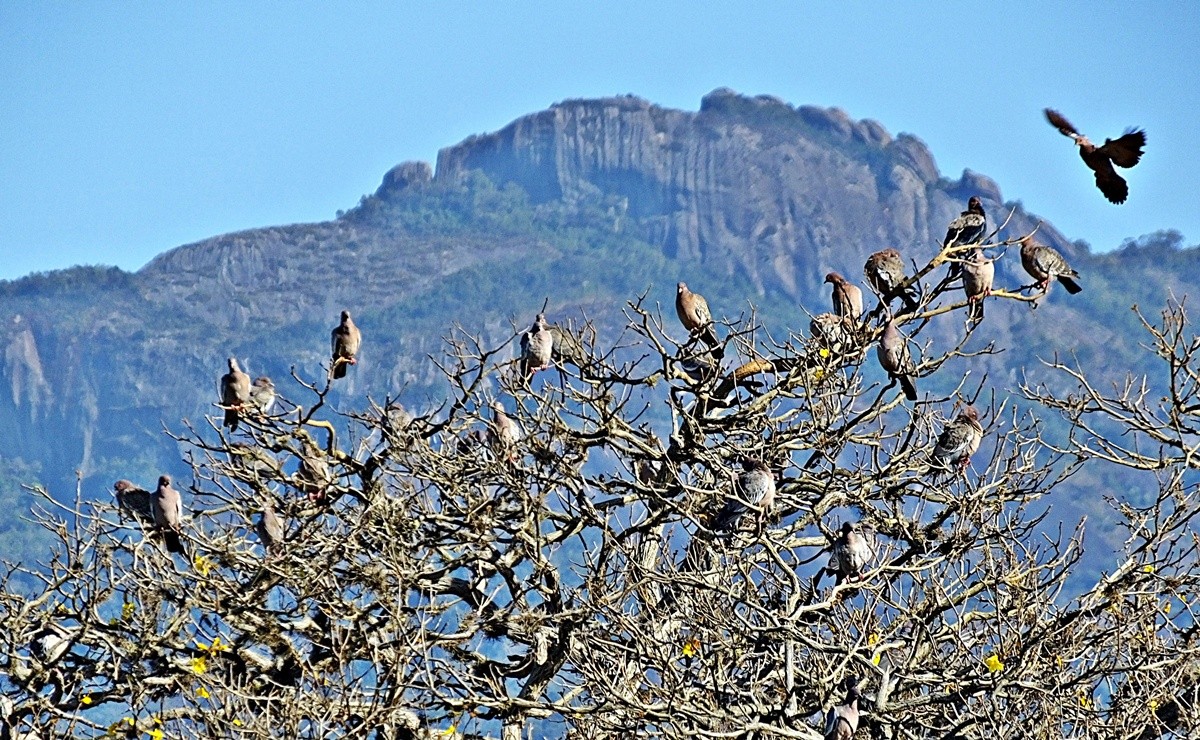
point(435, 575)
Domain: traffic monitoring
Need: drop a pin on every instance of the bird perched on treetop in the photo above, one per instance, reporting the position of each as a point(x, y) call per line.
point(755, 489)
point(537, 347)
point(894, 357)
point(884, 271)
point(693, 313)
point(969, 228)
point(978, 274)
point(262, 395)
point(958, 441)
point(346, 340)
point(1045, 263)
point(235, 394)
point(852, 551)
point(847, 297)
point(168, 514)
point(134, 501)
point(1125, 151)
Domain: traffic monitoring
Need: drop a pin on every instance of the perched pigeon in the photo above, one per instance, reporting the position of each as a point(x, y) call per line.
point(841, 722)
point(313, 475)
point(852, 551)
point(958, 441)
point(978, 273)
point(832, 332)
point(50, 642)
point(969, 228)
point(269, 529)
point(134, 501)
point(1045, 263)
point(567, 346)
point(847, 297)
point(693, 313)
point(1123, 152)
point(345, 340)
point(895, 359)
point(884, 271)
point(235, 394)
point(755, 490)
point(537, 347)
point(251, 463)
point(504, 433)
point(167, 506)
point(262, 395)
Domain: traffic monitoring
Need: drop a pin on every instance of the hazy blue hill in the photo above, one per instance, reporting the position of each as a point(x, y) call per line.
point(588, 204)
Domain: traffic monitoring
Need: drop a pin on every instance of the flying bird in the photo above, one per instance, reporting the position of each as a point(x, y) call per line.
point(1123, 152)
point(235, 394)
point(754, 490)
point(345, 340)
point(537, 347)
point(852, 551)
point(978, 274)
point(693, 313)
point(167, 506)
point(894, 357)
point(958, 441)
point(1045, 263)
point(262, 395)
point(841, 722)
point(884, 271)
point(847, 297)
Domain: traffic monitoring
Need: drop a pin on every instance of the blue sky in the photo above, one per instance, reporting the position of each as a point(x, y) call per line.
point(127, 129)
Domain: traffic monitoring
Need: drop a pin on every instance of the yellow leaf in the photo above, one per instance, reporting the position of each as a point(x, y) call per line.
point(86, 700)
point(202, 693)
point(155, 734)
point(452, 729)
point(993, 663)
point(691, 647)
point(824, 352)
point(199, 665)
point(1147, 568)
point(237, 723)
point(873, 639)
point(875, 658)
point(128, 610)
point(202, 565)
point(1153, 704)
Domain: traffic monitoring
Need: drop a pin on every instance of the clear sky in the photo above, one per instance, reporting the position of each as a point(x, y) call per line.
point(130, 128)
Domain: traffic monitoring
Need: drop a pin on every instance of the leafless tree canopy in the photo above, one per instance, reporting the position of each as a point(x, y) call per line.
point(439, 576)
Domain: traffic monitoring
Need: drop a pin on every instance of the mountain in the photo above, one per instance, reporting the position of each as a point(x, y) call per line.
point(587, 204)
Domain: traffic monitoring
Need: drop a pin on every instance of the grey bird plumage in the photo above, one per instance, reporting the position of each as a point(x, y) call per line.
point(537, 347)
point(852, 552)
point(134, 501)
point(969, 228)
point(841, 721)
point(847, 297)
point(269, 529)
point(345, 342)
point(884, 271)
point(693, 313)
point(1045, 264)
point(978, 274)
point(754, 491)
point(894, 357)
point(959, 440)
point(235, 394)
point(262, 395)
point(504, 432)
point(167, 505)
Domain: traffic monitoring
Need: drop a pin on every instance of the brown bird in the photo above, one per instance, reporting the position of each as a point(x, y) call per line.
point(269, 529)
point(978, 274)
point(847, 297)
point(167, 506)
point(969, 228)
point(754, 491)
point(895, 359)
point(693, 313)
point(346, 340)
point(262, 395)
point(1123, 152)
point(884, 271)
point(537, 347)
point(841, 722)
point(235, 394)
point(504, 432)
point(134, 501)
point(1045, 263)
point(958, 441)
point(852, 552)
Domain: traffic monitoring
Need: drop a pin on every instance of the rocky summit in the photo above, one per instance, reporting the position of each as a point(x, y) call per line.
point(584, 205)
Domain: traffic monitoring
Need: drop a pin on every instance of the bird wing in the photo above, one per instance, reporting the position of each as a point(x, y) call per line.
point(1057, 120)
point(1110, 183)
point(1125, 151)
point(703, 315)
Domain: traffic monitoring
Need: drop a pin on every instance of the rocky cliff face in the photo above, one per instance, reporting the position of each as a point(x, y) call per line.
point(747, 185)
point(749, 196)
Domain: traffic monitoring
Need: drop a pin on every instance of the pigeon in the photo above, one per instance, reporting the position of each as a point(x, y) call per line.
point(832, 332)
point(566, 346)
point(852, 551)
point(235, 394)
point(313, 476)
point(969, 228)
point(167, 506)
point(345, 340)
point(134, 501)
point(841, 722)
point(958, 441)
point(50, 642)
point(693, 313)
point(978, 273)
point(847, 297)
point(1123, 152)
point(895, 359)
point(1045, 263)
point(269, 529)
point(884, 271)
point(504, 433)
point(537, 347)
point(262, 395)
point(754, 490)
point(251, 463)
